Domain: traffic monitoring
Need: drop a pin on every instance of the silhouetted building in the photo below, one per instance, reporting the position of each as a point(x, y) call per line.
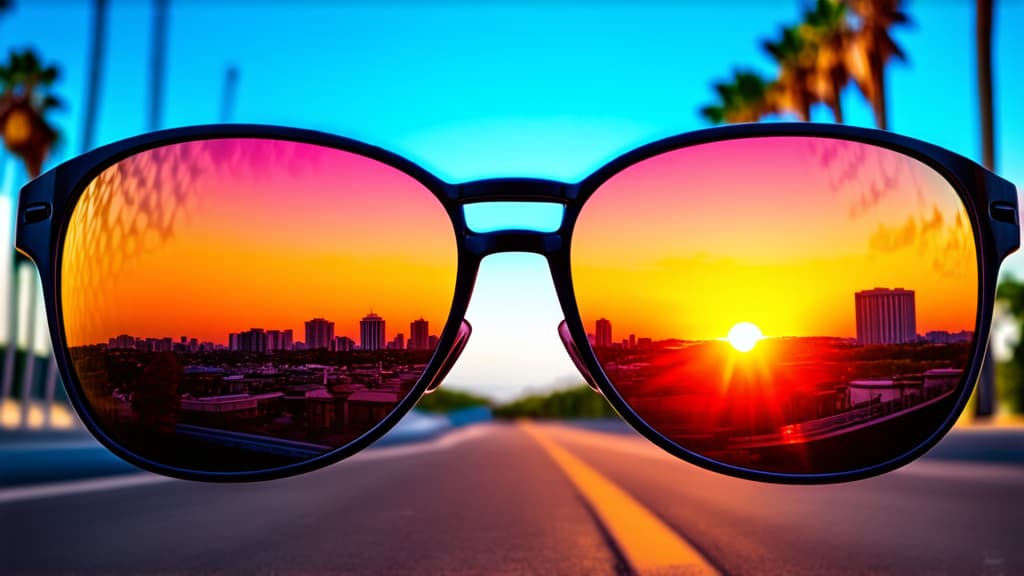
point(344, 344)
point(155, 345)
point(371, 332)
point(122, 341)
point(273, 340)
point(253, 340)
point(419, 335)
point(233, 341)
point(604, 333)
point(319, 334)
point(397, 343)
point(885, 316)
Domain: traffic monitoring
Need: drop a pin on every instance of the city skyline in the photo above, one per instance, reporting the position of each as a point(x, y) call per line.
point(258, 339)
point(373, 325)
point(881, 316)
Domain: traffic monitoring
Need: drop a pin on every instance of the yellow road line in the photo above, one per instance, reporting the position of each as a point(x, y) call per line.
point(649, 545)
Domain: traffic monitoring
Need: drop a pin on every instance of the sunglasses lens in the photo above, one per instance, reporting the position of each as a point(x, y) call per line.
point(236, 305)
point(792, 305)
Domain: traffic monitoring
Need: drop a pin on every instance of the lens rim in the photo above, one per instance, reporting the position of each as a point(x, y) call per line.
point(978, 189)
point(73, 177)
point(991, 204)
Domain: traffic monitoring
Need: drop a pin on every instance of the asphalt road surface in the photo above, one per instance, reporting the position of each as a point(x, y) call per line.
point(527, 499)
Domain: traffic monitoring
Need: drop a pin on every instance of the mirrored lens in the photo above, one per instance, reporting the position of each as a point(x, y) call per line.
point(243, 304)
point(788, 304)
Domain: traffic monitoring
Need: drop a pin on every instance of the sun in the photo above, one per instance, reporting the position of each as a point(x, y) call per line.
point(744, 336)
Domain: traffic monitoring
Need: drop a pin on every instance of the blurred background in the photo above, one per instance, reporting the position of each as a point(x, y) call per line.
point(473, 90)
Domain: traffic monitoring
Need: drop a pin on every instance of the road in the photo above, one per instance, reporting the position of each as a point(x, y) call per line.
point(518, 499)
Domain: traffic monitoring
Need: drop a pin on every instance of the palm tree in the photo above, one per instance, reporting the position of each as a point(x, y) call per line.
point(828, 33)
point(24, 102)
point(746, 98)
point(796, 68)
point(872, 47)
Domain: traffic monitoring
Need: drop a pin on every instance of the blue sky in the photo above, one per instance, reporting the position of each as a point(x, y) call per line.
point(471, 90)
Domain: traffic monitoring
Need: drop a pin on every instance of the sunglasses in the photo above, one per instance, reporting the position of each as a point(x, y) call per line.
point(792, 303)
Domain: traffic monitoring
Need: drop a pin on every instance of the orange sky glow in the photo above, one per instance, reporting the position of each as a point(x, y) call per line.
point(205, 238)
point(780, 232)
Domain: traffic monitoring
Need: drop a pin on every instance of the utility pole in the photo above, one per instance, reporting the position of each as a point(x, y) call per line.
point(158, 61)
point(99, 35)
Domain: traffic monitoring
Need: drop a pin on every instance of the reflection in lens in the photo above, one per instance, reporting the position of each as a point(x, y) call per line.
point(793, 305)
point(242, 304)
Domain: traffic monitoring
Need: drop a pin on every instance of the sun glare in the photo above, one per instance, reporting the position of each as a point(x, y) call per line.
point(744, 336)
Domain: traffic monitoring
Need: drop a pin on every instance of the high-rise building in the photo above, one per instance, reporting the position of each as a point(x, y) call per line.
point(604, 333)
point(279, 340)
point(371, 332)
point(253, 340)
point(319, 334)
point(885, 316)
point(273, 340)
point(233, 341)
point(419, 335)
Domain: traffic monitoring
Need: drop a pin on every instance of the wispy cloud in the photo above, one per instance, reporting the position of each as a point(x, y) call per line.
point(947, 245)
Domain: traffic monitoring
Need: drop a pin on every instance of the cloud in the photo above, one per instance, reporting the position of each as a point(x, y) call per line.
point(886, 239)
point(947, 245)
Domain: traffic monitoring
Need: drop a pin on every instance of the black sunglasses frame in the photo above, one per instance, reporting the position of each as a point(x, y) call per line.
point(47, 202)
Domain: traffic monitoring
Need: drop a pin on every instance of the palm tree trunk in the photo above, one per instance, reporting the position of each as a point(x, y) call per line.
point(983, 39)
point(227, 99)
point(878, 97)
point(837, 110)
point(836, 103)
point(11, 269)
point(986, 394)
point(28, 370)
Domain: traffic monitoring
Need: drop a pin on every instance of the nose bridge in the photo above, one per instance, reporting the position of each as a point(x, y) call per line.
point(515, 189)
point(513, 236)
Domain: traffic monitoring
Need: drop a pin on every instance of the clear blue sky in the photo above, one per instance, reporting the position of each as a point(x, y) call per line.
point(549, 89)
